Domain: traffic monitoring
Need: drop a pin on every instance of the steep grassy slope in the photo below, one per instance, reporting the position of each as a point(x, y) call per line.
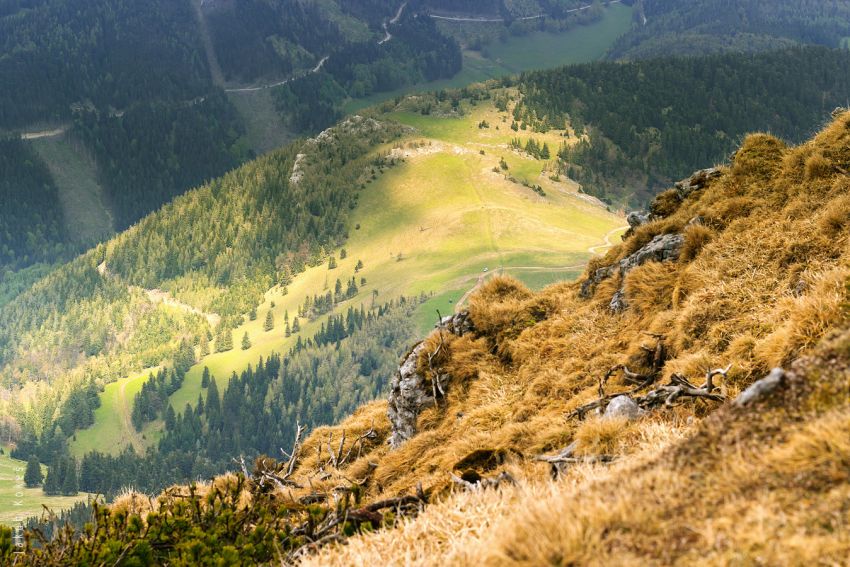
point(761, 280)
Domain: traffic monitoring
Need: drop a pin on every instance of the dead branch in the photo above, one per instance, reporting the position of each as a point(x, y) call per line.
point(667, 395)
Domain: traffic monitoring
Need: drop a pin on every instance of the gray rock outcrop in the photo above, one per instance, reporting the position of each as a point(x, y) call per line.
point(409, 395)
point(662, 248)
point(412, 392)
point(695, 182)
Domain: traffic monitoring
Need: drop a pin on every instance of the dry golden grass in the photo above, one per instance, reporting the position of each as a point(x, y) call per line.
point(762, 281)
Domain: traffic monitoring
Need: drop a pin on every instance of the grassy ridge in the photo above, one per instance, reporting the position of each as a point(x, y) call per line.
point(445, 213)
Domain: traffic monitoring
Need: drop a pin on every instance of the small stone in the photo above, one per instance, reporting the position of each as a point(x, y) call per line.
point(622, 406)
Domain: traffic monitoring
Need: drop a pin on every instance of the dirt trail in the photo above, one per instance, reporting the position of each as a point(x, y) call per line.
point(162, 296)
point(124, 407)
point(498, 271)
point(502, 20)
point(608, 243)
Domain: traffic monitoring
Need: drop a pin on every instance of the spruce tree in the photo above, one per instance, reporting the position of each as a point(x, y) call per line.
point(332, 263)
point(205, 377)
point(33, 476)
point(70, 484)
point(246, 342)
point(204, 346)
point(296, 326)
point(269, 324)
point(213, 406)
point(54, 477)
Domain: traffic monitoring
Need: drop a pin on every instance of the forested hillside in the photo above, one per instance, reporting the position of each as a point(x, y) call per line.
point(686, 402)
point(31, 223)
point(156, 151)
point(650, 122)
point(701, 27)
point(105, 53)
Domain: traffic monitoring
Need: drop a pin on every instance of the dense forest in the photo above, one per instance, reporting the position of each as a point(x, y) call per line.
point(155, 151)
point(31, 222)
point(700, 27)
point(648, 123)
point(105, 53)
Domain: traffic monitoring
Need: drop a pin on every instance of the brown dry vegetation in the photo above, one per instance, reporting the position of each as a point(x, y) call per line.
point(762, 279)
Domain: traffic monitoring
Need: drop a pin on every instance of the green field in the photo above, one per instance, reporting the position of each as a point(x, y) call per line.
point(17, 503)
point(538, 50)
point(113, 431)
point(87, 217)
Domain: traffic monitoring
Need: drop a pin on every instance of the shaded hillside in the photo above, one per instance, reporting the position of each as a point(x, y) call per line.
point(744, 266)
point(105, 53)
point(31, 222)
point(700, 27)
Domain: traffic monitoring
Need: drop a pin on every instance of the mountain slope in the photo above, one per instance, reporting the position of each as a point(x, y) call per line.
point(747, 267)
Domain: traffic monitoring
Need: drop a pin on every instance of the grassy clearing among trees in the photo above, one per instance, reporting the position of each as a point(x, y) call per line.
point(33, 498)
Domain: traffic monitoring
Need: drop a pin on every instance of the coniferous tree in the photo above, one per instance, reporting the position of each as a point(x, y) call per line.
point(269, 323)
point(204, 346)
point(296, 326)
point(205, 377)
point(246, 342)
point(52, 484)
point(332, 263)
point(213, 406)
point(33, 476)
point(70, 482)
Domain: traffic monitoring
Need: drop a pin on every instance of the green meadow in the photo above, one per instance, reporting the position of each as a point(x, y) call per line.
point(18, 503)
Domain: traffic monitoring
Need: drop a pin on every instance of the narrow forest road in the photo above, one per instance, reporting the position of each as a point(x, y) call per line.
point(161, 296)
point(395, 20)
point(525, 18)
point(44, 133)
point(315, 69)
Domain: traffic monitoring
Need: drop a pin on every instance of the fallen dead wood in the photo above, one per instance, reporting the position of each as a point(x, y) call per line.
point(677, 389)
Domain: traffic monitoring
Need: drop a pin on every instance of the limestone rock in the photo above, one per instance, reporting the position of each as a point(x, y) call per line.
point(622, 406)
point(695, 182)
point(618, 302)
point(638, 218)
point(762, 388)
point(458, 324)
point(409, 395)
